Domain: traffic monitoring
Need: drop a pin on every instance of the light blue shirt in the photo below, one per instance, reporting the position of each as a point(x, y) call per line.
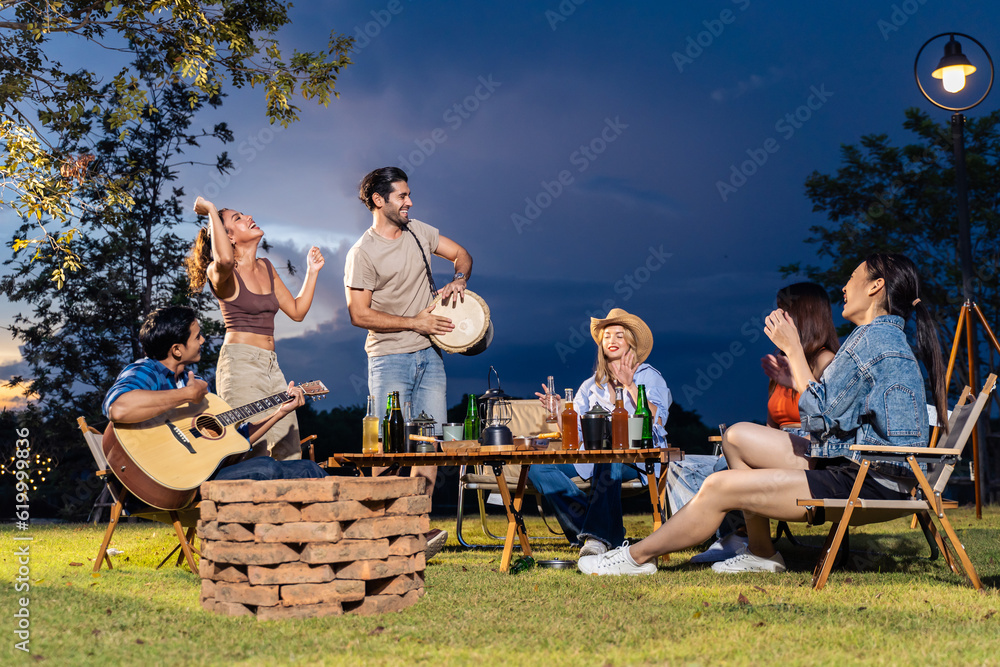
point(657, 393)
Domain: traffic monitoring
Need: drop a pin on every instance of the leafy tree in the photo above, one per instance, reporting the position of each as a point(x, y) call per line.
point(205, 43)
point(77, 339)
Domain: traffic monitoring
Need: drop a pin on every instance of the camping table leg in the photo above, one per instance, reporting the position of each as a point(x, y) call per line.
point(654, 498)
point(515, 523)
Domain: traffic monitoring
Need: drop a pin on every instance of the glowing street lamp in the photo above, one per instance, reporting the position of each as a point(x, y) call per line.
point(954, 67)
point(952, 70)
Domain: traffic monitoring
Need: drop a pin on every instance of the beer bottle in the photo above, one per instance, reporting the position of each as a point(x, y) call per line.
point(472, 426)
point(384, 424)
point(397, 427)
point(642, 410)
point(570, 421)
point(369, 429)
point(619, 422)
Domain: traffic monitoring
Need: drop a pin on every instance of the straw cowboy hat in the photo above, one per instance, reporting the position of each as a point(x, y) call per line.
point(643, 336)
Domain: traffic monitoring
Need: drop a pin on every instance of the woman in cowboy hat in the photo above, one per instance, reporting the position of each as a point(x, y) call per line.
point(623, 344)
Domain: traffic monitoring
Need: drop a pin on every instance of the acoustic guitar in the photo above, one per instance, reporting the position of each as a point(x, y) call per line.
point(162, 461)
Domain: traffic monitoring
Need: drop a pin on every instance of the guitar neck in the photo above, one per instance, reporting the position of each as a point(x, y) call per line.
point(245, 412)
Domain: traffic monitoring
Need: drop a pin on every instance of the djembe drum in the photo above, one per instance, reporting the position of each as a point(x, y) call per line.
point(473, 330)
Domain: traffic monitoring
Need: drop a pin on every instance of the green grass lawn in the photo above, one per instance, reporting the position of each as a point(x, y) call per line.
point(900, 609)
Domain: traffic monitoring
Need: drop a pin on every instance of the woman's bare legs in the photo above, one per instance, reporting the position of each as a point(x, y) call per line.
point(754, 447)
point(761, 493)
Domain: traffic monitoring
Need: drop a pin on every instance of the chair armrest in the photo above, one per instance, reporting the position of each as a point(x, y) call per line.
point(924, 451)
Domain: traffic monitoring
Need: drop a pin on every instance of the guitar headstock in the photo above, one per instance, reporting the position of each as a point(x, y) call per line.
point(315, 389)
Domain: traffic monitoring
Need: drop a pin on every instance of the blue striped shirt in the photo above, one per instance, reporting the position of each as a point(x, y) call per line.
point(147, 374)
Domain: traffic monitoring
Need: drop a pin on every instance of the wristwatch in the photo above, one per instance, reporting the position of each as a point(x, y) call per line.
point(460, 275)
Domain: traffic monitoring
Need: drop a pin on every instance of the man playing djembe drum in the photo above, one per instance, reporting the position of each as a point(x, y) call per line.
point(389, 292)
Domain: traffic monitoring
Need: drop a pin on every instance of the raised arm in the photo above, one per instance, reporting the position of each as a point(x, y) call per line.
point(455, 253)
point(359, 305)
point(220, 271)
point(297, 307)
point(782, 331)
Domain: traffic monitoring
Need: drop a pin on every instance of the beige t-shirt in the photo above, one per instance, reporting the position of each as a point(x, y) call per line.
point(394, 272)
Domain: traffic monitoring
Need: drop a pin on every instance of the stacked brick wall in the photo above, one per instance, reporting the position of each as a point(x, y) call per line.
point(312, 547)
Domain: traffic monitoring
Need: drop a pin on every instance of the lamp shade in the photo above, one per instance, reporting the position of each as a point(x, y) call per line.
point(953, 67)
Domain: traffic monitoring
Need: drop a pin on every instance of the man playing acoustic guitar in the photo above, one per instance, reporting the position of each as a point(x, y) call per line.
point(171, 338)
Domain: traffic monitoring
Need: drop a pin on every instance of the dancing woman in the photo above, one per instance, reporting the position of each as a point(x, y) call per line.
point(250, 293)
point(872, 392)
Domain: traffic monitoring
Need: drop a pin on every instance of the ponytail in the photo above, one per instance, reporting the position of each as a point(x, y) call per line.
point(198, 260)
point(902, 298)
point(929, 352)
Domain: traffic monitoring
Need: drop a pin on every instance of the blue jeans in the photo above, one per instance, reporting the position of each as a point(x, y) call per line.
point(599, 517)
point(265, 468)
point(684, 478)
point(417, 376)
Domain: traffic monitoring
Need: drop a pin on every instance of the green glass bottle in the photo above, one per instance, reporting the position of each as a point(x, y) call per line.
point(383, 427)
point(396, 427)
point(642, 410)
point(472, 425)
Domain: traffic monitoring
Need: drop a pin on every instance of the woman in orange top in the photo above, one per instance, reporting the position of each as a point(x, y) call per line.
point(809, 306)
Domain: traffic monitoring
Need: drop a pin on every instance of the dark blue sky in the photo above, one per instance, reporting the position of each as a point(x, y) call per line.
point(584, 152)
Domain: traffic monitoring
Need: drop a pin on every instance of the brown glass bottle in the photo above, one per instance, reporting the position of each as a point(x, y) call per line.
point(619, 422)
point(570, 424)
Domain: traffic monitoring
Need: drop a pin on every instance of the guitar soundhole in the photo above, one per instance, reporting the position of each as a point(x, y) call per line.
point(209, 426)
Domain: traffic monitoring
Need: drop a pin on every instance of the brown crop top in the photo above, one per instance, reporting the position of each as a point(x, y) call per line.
point(250, 312)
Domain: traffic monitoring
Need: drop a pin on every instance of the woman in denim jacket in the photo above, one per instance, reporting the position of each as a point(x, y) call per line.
point(871, 392)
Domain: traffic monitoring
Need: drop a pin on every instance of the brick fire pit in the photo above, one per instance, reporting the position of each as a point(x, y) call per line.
point(314, 547)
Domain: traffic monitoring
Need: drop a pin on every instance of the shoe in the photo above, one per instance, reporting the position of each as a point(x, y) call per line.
point(617, 562)
point(593, 547)
point(436, 539)
point(723, 549)
point(747, 562)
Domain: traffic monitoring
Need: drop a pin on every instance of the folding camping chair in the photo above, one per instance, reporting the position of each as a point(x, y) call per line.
point(927, 502)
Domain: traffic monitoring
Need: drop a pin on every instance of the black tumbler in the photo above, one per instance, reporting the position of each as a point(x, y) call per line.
point(596, 432)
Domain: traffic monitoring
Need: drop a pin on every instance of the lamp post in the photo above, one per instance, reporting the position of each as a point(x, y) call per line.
point(952, 70)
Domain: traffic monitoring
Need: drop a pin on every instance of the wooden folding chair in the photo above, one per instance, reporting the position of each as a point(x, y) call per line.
point(927, 502)
point(186, 518)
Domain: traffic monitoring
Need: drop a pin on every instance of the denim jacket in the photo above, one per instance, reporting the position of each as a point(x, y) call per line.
point(871, 393)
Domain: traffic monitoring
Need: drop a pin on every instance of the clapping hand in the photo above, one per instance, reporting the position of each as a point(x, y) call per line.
point(776, 367)
point(623, 369)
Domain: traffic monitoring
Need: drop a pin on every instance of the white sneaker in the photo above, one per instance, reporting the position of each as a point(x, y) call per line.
point(593, 547)
point(617, 562)
point(747, 562)
point(724, 549)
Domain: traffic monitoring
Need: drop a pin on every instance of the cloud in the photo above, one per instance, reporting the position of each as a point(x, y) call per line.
point(754, 82)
